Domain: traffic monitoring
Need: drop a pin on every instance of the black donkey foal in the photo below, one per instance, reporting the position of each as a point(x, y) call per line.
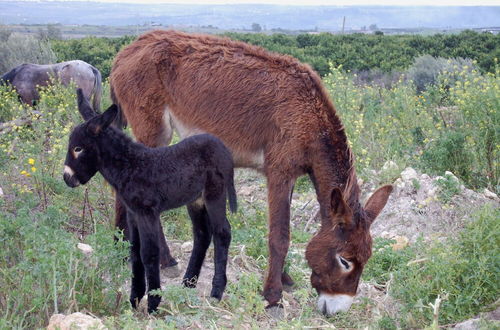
point(198, 172)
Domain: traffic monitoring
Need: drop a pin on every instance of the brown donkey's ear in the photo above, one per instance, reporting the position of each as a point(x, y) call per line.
point(377, 201)
point(84, 106)
point(341, 211)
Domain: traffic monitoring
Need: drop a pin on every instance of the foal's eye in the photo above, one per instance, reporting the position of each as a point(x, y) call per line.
point(346, 265)
point(78, 149)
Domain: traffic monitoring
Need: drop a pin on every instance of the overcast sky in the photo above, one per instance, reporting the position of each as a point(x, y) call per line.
point(325, 2)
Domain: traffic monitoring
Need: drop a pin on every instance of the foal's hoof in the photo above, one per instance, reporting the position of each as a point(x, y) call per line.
point(216, 293)
point(276, 311)
point(171, 271)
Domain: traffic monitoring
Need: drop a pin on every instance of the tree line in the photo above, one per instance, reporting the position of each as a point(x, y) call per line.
point(354, 52)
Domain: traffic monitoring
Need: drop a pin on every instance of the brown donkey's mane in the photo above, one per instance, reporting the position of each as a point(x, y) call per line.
point(275, 115)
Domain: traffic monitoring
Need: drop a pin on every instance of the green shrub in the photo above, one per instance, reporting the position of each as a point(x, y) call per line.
point(463, 271)
point(449, 186)
point(42, 272)
point(448, 153)
point(19, 48)
point(426, 69)
point(385, 261)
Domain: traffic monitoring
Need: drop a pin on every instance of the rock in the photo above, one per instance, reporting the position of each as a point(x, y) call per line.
point(389, 165)
point(451, 175)
point(409, 174)
point(490, 194)
point(75, 321)
point(85, 248)
point(1, 192)
point(401, 243)
point(187, 247)
point(400, 184)
point(468, 325)
point(246, 190)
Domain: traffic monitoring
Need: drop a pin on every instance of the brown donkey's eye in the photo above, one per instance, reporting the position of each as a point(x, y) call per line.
point(344, 263)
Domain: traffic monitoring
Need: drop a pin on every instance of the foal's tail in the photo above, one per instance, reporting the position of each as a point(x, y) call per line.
point(231, 191)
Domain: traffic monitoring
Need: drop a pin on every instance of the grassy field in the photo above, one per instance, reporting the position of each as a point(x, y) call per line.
point(41, 220)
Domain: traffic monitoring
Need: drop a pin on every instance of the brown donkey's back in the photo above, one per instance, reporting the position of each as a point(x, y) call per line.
point(274, 115)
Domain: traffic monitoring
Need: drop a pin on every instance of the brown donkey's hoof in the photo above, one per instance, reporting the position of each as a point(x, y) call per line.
point(288, 283)
point(276, 312)
point(171, 271)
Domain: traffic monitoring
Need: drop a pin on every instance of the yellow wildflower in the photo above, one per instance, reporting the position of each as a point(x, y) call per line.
point(31, 161)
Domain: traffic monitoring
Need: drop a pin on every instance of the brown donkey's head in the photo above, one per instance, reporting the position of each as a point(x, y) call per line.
point(338, 253)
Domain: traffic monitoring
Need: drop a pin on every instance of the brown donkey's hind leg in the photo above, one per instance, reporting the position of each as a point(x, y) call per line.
point(152, 131)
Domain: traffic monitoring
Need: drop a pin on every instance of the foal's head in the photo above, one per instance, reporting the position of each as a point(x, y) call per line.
point(82, 158)
point(340, 250)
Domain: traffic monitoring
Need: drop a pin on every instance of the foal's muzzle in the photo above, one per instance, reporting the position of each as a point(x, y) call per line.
point(70, 178)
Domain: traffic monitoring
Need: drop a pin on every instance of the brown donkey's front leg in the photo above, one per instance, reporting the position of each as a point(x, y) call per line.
point(279, 190)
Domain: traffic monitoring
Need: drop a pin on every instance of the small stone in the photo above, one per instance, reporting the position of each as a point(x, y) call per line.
point(389, 165)
point(472, 324)
point(75, 321)
point(409, 174)
point(451, 175)
point(85, 248)
point(489, 194)
point(401, 243)
point(1, 191)
point(187, 247)
point(246, 191)
point(399, 183)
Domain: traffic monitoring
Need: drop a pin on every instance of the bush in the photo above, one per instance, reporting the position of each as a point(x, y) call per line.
point(426, 69)
point(463, 271)
point(20, 48)
point(448, 153)
point(43, 272)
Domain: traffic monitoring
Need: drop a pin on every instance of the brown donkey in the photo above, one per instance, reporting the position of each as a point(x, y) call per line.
point(275, 116)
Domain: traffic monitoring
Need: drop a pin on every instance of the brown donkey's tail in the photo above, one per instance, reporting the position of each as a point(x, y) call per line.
point(231, 191)
point(120, 121)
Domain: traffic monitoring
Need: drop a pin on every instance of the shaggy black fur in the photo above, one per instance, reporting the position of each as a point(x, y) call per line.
point(197, 172)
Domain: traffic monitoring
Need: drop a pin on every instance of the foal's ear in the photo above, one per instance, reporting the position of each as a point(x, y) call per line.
point(84, 106)
point(341, 212)
point(377, 201)
point(99, 123)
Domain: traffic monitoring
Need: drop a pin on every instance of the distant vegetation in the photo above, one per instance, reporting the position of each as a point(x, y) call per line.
point(355, 52)
point(361, 52)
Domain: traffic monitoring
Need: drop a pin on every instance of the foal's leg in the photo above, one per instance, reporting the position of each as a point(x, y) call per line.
point(138, 287)
point(202, 236)
point(154, 130)
point(222, 238)
point(279, 189)
point(150, 255)
point(215, 199)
